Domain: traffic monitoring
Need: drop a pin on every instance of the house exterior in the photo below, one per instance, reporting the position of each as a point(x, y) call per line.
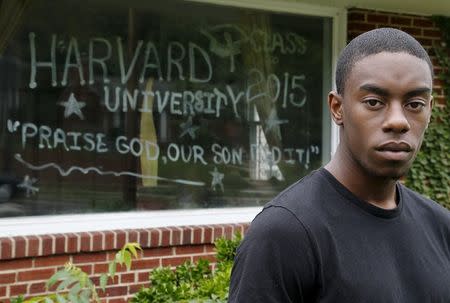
point(166, 123)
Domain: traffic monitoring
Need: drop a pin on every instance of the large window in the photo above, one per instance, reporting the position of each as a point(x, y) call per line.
point(132, 105)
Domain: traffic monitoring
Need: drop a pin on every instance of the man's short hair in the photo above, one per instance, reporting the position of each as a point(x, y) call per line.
point(373, 42)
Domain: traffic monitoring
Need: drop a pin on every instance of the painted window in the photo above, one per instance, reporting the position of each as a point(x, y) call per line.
point(137, 105)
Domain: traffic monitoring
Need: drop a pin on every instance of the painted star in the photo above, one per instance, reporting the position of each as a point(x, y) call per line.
point(216, 179)
point(188, 128)
point(73, 106)
point(27, 184)
point(273, 121)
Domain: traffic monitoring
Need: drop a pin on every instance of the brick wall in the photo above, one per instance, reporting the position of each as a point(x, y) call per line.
point(420, 27)
point(27, 262)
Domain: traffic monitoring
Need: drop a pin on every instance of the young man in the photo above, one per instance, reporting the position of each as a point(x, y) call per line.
point(350, 232)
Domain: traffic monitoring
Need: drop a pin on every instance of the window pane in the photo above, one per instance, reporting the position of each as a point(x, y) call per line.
point(124, 105)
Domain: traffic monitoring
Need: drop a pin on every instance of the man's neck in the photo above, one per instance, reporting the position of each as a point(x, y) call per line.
point(377, 191)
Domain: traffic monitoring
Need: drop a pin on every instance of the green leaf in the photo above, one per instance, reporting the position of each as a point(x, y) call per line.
point(112, 268)
point(75, 290)
point(132, 248)
point(103, 281)
point(59, 275)
point(60, 299)
point(48, 300)
point(66, 283)
point(127, 259)
point(85, 296)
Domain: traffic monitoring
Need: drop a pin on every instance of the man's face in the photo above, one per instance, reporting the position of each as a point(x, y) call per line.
point(385, 111)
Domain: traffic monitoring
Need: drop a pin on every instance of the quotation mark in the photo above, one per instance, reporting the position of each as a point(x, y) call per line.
point(315, 149)
point(12, 126)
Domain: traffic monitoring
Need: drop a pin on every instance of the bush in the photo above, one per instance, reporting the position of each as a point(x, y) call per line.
point(193, 282)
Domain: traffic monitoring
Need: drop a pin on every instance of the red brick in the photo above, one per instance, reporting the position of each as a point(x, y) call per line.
point(155, 237)
point(377, 18)
point(72, 243)
point(434, 33)
point(423, 22)
point(144, 238)
point(5, 248)
point(20, 243)
point(114, 291)
point(7, 278)
point(144, 276)
point(85, 242)
point(176, 236)
point(210, 248)
point(35, 274)
point(51, 261)
point(90, 258)
point(356, 16)
point(127, 278)
point(86, 268)
point(3, 291)
point(189, 249)
point(101, 268)
point(360, 27)
point(245, 228)
point(413, 31)
point(425, 41)
point(47, 245)
point(401, 20)
point(15, 290)
point(16, 264)
point(210, 257)
point(186, 235)
point(145, 264)
point(165, 236)
point(207, 235)
point(135, 288)
point(197, 235)
point(97, 242)
point(175, 261)
point(157, 252)
point(109, 240)
point(117, 300)
point(60, 244)
point(120, 239)
point(218, 232)
point(228, 231)
point(33, 246)
point(37, 288)
point(132, 236)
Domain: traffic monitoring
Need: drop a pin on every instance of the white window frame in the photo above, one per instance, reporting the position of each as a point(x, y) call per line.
point(35, 225)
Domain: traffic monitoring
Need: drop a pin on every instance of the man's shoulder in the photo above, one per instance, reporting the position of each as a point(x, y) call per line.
point(302, 203)
point(301, 193)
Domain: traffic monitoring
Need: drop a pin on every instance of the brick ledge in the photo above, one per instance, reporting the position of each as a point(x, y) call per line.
point(68, 243)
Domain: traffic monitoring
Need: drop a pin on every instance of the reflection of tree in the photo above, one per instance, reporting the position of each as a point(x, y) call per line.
point(11, 19)
point(148, 133)
point(262, 62)
point(130, 125)
point(11, 13)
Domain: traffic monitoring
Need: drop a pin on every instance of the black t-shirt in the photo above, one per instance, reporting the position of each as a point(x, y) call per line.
point(317, 242)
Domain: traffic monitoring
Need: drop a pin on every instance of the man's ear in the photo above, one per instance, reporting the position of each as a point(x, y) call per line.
point(335, 105)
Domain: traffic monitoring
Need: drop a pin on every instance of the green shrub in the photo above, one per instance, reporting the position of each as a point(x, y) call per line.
point(74, 285)
point(193, 282)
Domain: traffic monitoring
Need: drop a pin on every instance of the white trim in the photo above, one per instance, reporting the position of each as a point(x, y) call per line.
point(51, 224)
point(339, 42)
point(278, 6)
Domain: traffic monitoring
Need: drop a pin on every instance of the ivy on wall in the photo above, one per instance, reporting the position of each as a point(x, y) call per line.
point(430, 174)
